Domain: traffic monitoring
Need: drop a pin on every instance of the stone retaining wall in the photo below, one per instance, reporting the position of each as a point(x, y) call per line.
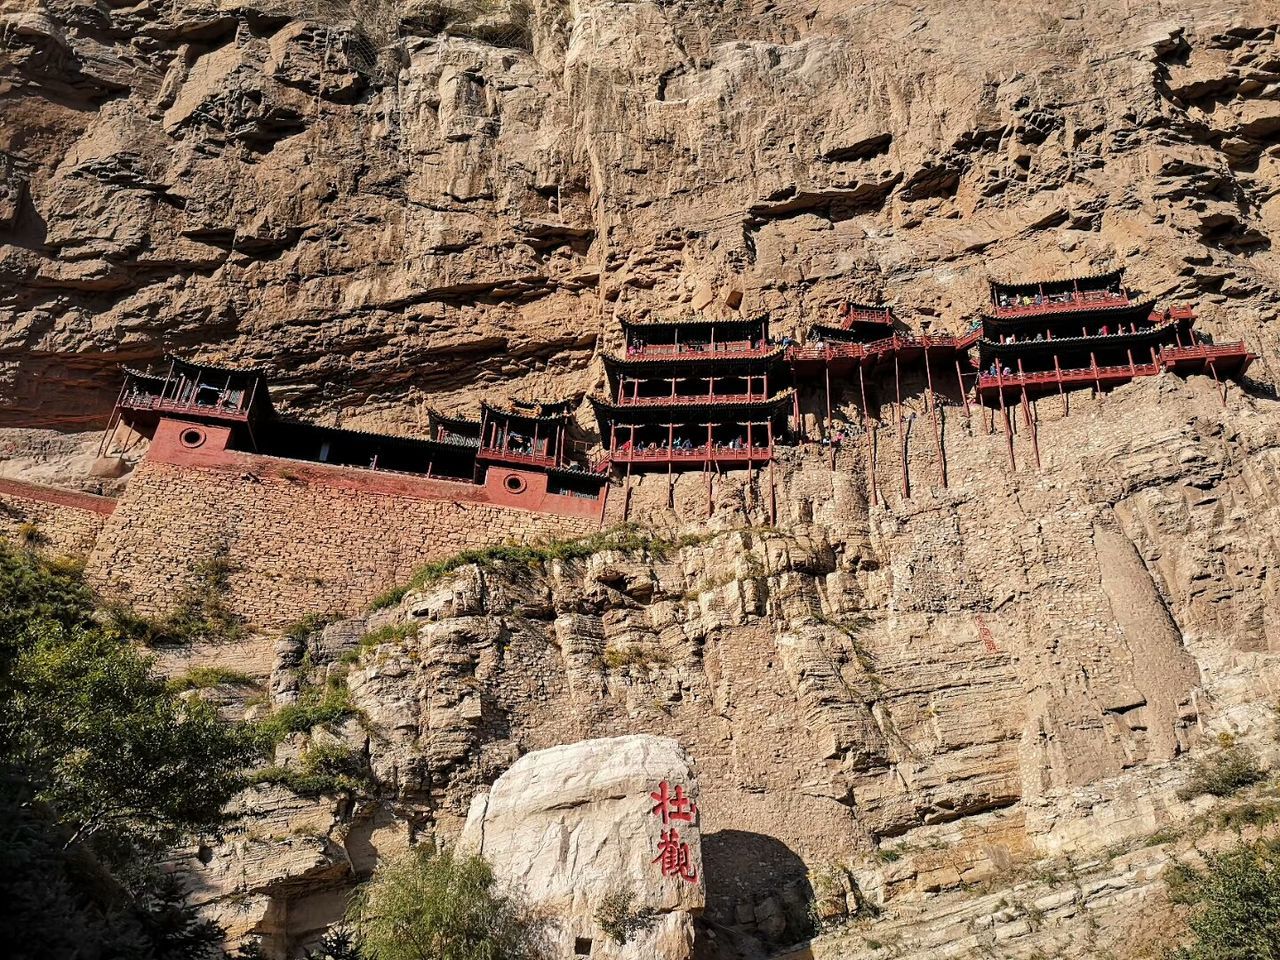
point(61, 521)
point(295, 545)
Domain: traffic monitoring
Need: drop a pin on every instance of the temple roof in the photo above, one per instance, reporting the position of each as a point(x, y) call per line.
point(861, 331)
point(1154, 332)
point(456, 420)
point(525, 414)
point(545, 408)
point(1034, 313)
point(398, 438)
point(694, 322)
point(701, 359)
point(1102, 277)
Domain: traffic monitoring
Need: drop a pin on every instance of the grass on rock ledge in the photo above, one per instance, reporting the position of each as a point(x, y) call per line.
point(627, 538)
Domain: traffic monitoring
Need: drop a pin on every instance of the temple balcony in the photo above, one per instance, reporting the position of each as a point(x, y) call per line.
point(220, 404)
point(731, 350)
point(852, 313)
point(499, 455)
point(694, 400)
point(1222, 356)
point(899, 343)
point(1075, 302)
point(715, 454)
point(1111, 375)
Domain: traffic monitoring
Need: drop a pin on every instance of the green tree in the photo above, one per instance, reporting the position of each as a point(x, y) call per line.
point(100, 764)
point(438, 905)
point(1235, 898)
point(109, 746)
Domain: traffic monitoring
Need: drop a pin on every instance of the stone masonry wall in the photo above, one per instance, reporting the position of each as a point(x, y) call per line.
point(295, 546)
point(58, 520)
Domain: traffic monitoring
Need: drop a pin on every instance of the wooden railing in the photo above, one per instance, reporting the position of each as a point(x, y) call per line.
point(715, 451)
point(987, 381)
point(886, 346)
point(1165, 358)
point(512, 456)
point(851, 315)
point(1063, 303)
point(1205, 351)
point(729, 350)
point(149, 401)
point(685, 400)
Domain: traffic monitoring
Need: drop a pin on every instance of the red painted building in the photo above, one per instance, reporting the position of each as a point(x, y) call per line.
point(1088, 332)
point(517, 456)
point(693, 394)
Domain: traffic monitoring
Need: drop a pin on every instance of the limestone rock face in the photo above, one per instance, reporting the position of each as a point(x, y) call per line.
point(389, 203)
point(574, 825)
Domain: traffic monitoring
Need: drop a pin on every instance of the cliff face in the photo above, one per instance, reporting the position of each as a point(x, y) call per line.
point(394, 204)
point(383, 202)
point(924, 703)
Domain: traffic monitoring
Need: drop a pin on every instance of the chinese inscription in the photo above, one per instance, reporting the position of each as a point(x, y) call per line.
point(673, 806)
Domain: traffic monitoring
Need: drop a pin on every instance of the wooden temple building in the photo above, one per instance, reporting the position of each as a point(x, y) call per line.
point(709, 395)
point(693, 394)
point(508, 450)
point(1053, 337)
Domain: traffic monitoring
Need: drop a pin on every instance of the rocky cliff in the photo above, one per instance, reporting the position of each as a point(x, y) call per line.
point(917, 703)
point(388, 203)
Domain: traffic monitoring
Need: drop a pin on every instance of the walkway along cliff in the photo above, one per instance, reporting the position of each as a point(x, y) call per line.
point(225, 474)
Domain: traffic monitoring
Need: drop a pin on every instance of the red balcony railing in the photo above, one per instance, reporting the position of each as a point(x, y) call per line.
point(1107, 374)
point(729, 350)
point(1237, 351)
point(682, 400)
point(718, 452)
point(1061, 303)
point(886, 346)
point(514, 456)
point(222, 407)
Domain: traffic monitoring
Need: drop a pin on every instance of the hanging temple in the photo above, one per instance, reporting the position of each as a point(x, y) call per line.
point(700, 394)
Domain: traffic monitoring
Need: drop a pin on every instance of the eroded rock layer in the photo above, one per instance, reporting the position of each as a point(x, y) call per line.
point(388, 203)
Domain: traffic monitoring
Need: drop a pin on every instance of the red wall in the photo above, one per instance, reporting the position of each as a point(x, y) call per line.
point(176, 442)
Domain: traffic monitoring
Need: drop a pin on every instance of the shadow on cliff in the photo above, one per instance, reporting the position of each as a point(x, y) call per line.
point(758, 896)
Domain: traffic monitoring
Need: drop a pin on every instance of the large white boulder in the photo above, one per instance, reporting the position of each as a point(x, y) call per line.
point(575, 825)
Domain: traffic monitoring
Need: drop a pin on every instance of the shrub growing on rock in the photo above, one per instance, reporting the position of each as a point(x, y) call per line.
point(1235, 899)
point(1221, 774)
point(439, 905)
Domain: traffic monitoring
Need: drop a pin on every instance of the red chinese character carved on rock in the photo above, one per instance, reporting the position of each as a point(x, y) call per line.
point(673, 854)
point(673, 806)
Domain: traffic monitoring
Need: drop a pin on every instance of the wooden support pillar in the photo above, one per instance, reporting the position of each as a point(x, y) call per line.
point(1004, 413)
point(1222, 385)
point(1066, 401)
point(866, 430)
point(708, 469)
point(964, 397)
point(1022, 375)
point(902, 440)
point(933, 416)
point(1133, 367)
point(1093, 362)
point(1031, 426)
point(826, 426)
point(626, 484)
point(773, 493)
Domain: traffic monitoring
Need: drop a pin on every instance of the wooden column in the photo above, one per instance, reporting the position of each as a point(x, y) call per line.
point(866, 429)
point(1066, 401)
point(1004, 413)
point(933, 415)
point(964, 397)
point(1031, 426)
point(902, 440)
